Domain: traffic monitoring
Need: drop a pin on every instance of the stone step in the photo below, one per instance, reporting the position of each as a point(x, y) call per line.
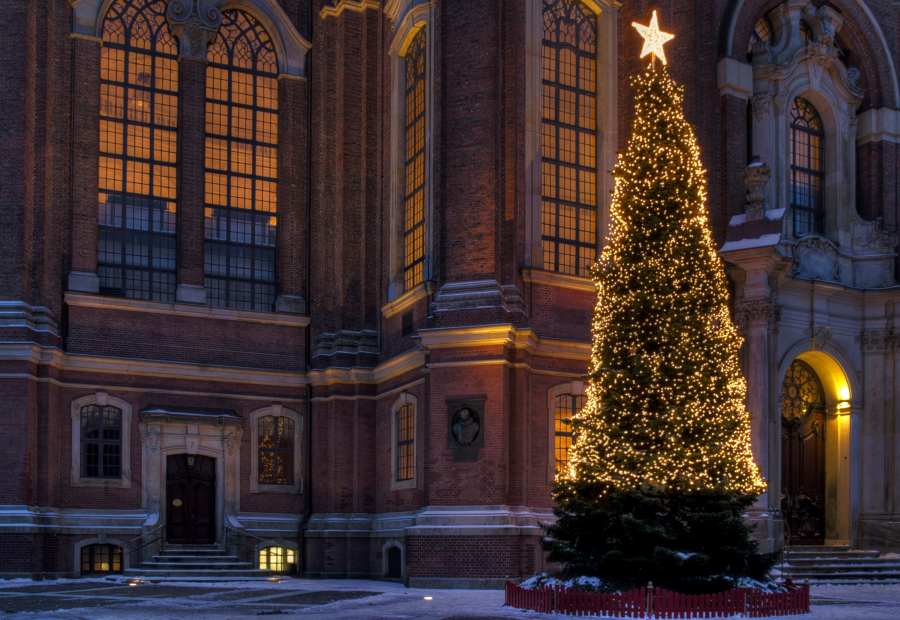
point(152, 573)
point(195, 552)
point(842, 568)
point(846, 576)
point(854, 563)
point(845, 555)
point(212, 559)
point(817, 548)
point(235, 565)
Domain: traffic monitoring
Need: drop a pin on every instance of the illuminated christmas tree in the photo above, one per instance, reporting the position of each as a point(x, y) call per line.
point(662, 468)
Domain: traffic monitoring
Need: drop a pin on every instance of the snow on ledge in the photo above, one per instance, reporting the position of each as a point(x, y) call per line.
point(746, 244)
point(771, 214)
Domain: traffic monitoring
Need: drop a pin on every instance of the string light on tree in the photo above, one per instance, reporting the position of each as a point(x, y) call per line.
point(662, 457)
point(654, 39)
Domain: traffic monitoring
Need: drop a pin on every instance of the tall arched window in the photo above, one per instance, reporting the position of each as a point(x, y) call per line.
point(569, 137)
point(565, 408)
point(414, 164)
point(138, 156)
point(241, 165)
point(807, 168)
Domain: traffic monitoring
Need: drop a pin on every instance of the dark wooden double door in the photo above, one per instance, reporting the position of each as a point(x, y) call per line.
point(190, 499)
point(803, 478)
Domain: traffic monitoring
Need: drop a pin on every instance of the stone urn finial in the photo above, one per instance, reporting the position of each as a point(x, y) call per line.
point(756, 178)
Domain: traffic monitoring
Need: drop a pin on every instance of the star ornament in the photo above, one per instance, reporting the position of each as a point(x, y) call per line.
point(654, 39)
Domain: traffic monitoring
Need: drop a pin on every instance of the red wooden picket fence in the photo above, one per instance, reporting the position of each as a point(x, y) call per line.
point(653, 602)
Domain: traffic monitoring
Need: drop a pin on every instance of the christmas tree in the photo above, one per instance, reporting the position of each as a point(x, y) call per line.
point(661, 469)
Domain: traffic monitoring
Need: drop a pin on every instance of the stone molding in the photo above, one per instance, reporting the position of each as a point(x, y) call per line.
point(559, 280)
point(194, 23)
point(406, 301)
point(477, 295)
point(878, 340)
point(102, 399)
point(290, 46)
point(735, 78)
point(159, 439)
point(358, 6)
point(757, 312)
point(405, 398)
point(756, 180)
point(878, 125)
point(20, 315)
point(193, 310)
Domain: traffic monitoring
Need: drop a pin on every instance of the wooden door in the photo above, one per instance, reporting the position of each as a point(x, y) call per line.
point(190, 499)
point(803, 456)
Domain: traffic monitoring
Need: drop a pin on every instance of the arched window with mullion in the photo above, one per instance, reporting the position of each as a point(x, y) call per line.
point(807, 168)
point(241, 165)
point(415, 115)
point(569, 148)
point(137, 201)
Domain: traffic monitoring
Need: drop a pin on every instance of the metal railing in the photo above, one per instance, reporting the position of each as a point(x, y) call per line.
point(138, 544)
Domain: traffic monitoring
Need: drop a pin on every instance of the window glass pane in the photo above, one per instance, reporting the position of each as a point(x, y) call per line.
point(138, 120)
point(414, 163)
point(241, 159)
point(406, 440)
point(807, 168)
point(275, 445)
point(568, 137)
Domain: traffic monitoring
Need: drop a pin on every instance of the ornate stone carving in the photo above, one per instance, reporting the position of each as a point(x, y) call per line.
point(869, 237)
point(756, 178)
point(816, 258)
point(232, 440)
point(150, 436)
point(194, 23)
point(757, 311)
point(878, 340)
point(821, 335)
point(761, 105)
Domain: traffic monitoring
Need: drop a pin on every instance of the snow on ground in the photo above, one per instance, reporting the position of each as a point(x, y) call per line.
point(102, 599)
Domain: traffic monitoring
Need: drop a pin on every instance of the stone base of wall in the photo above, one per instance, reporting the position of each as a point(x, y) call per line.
point(881, 533)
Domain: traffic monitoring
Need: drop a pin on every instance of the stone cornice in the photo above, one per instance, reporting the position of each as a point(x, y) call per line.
point(558, 280)
point(504, 335)
point(405, 301)
point(99, 302)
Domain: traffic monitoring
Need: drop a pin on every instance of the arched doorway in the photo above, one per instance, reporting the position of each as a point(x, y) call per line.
point(803, 455)
point(394, 563)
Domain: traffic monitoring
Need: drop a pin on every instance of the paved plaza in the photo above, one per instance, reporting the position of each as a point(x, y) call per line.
point(108, 599)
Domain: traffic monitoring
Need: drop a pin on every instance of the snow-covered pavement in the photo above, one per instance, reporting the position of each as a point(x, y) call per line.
point(84, 599)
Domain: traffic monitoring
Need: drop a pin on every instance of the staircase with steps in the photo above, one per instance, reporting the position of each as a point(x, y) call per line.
point(838, 565)
point(195, 561)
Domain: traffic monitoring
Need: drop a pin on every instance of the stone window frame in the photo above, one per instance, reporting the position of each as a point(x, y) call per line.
point(99, 540)
point(607, 13)
point(277, 411)
point(572, 388)
point(101, 399)
point(810, 73)
point(408, 19)
point(404, 400)
point(274, 542)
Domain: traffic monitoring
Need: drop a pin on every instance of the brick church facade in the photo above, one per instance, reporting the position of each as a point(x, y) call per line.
point(309, 278)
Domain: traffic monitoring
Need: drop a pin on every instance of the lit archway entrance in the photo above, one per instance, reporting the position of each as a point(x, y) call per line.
point(803, 455)
point(815, 451)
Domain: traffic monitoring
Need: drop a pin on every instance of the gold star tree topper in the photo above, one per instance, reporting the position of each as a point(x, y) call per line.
point(654, 38)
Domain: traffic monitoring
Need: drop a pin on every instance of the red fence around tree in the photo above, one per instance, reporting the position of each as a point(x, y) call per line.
point(653, 602)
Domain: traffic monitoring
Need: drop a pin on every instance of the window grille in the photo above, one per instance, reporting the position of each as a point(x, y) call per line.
point(807, 168)
point(566, 406)
point(406, 443)
point(414, 164)
point(276, 450)
point(241, 166)
point(101, 442)
point(138, 156)
point(99, 559)
point(569, 137)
